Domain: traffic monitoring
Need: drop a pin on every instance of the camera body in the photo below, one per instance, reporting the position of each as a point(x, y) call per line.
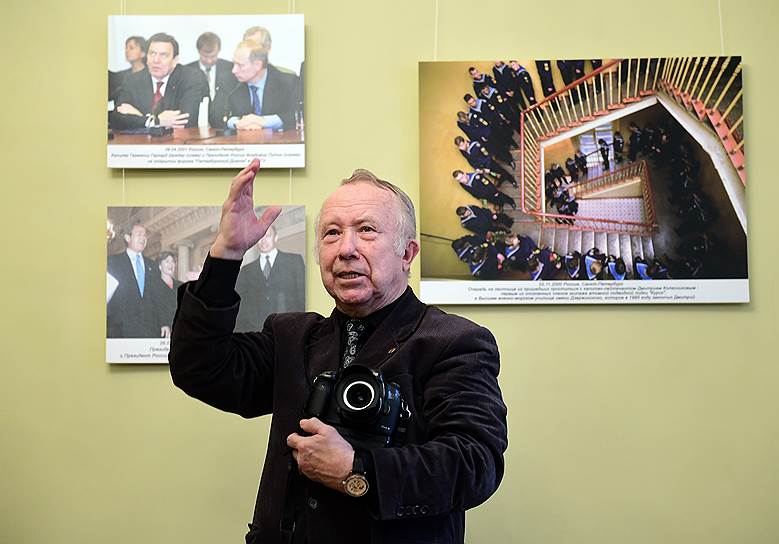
point(367, 412)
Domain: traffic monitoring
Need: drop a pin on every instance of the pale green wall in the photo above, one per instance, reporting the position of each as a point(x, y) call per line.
point(664, 430)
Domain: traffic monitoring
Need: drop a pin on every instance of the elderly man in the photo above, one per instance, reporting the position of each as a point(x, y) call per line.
point(316, 486)
point(264, 97)
point(162, 94)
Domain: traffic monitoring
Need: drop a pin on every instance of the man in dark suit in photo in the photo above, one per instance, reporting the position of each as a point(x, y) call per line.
point(273, 283)
point(264, 98)
point(163, 94)
point(129, 311)
point(218, 72)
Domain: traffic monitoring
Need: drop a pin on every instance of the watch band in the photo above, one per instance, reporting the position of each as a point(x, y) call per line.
point(358, 465)
point(356, 483)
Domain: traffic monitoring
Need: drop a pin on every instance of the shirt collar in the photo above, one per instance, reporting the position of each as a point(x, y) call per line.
point(372, 321)
point(164, 80)
point(271, 254)
point(132, 254)
point(261, 83)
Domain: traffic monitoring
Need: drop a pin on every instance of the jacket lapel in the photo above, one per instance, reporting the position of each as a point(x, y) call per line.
point(322, 350)
point(170, 90)
point(147, 95)
point(130, 271)
point(391, 333)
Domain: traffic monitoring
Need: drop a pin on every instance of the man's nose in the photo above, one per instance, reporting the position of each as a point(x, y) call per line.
point(348, 247)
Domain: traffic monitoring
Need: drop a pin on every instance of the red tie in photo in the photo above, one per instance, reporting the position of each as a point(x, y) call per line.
point(157, 97)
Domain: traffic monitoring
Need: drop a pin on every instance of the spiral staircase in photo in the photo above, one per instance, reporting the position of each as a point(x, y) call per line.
point(616, 208)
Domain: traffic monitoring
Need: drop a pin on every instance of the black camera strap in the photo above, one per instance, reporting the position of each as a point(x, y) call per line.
point(291, 510)
point(404, 417)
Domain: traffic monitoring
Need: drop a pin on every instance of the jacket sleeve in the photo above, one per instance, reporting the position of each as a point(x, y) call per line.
point(281, 96)
point(128, 96)
point(229, 371)
point(460, 462)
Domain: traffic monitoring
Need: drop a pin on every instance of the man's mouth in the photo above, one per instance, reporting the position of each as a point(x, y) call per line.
point(348, 275)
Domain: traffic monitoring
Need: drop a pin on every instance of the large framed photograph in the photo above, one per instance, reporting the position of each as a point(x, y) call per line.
point(583, 181)
point(152, 251)
point(202, 91)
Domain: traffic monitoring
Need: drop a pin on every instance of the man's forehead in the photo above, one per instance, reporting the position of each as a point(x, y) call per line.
point(361, 198)
point(161, 47)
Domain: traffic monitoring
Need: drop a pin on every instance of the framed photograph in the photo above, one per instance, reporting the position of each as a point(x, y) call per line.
point(206, 91)
point(152, 251)
point(583, 181)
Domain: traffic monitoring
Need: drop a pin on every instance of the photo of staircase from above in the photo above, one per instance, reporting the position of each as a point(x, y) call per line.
point(604, 169)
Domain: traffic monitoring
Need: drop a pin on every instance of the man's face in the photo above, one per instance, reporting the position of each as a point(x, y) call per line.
point(208, 58)
point(132, 52)
point(461, 177)
point(268, 242)
point(472, 102)
point(160, 59)
point(244, 69)
point(358, 263)
point(136, 240)
point(475, 74)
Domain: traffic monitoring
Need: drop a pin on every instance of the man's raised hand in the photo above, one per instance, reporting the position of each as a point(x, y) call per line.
point(239, 227)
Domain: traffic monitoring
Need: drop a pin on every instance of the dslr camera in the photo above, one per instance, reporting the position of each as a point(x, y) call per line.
point(368, 412)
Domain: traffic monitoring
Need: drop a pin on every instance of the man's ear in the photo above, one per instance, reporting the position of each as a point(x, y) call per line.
point(412, 250)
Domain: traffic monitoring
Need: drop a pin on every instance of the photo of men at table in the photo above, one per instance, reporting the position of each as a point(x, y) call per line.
point(247, 93)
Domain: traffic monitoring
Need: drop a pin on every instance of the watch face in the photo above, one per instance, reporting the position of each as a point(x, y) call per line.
point(356, 485)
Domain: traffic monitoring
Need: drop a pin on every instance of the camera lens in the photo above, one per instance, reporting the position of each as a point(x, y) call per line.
point(358, 395)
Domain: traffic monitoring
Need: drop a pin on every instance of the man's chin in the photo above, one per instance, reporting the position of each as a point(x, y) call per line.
point(353, 296)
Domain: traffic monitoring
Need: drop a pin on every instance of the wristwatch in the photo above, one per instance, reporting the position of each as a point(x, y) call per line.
point(356, 484)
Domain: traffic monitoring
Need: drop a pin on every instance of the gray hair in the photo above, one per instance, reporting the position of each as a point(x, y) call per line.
point(264, 38)
point(407, 222)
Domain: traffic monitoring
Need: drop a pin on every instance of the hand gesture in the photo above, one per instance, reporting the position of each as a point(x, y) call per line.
point(239, 227)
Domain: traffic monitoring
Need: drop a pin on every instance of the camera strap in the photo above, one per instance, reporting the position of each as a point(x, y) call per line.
point(290, 510)
point(399, 436)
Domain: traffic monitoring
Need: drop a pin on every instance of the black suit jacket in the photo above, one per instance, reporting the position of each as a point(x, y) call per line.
point(224, 76)
point(278, 98)
point(183, 92)
point(283, 291)
point(128, 314)
point(163, 301)
point(446, 368)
